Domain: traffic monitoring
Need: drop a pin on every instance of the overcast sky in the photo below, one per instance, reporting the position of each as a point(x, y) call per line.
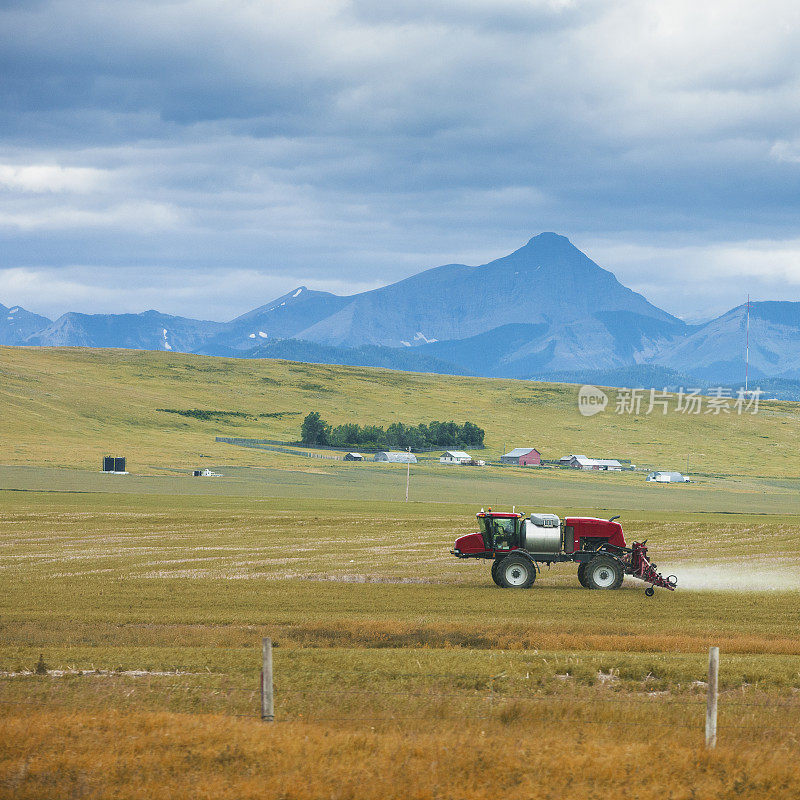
point(202, 157)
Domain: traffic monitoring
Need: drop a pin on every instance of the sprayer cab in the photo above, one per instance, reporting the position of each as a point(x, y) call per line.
point(517, 545)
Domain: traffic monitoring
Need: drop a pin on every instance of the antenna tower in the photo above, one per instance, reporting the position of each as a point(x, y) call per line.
point(747, 344)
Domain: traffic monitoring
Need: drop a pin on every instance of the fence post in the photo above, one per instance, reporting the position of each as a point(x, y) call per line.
point(711, 704)
point(267, 708)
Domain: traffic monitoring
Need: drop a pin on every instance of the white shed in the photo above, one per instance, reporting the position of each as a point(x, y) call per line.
point(455, 457)
point(667, 477)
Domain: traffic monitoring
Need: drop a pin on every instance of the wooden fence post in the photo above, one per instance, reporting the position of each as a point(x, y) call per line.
point(711, 704)
point(267, 707)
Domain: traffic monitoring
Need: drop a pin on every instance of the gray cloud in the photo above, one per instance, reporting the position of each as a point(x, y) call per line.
point(358, 142)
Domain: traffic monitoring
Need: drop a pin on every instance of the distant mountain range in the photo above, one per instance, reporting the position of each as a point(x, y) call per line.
point(147, 331)
point(545, 311)
point(17, 325)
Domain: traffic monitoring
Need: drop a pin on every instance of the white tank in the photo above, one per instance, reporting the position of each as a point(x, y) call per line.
point(542, 534)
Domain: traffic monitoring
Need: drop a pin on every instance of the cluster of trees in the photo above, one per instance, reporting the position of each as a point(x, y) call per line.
point(315, 431)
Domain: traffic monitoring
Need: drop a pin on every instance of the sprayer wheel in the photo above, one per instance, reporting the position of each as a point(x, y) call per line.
point(582, 575)
point(495, 574)
point(604, 572)
point(516, 572)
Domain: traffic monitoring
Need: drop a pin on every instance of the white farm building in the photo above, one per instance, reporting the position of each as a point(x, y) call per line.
point(396, 457)
point(582, 462)
point(455, 457)
point(667, 477)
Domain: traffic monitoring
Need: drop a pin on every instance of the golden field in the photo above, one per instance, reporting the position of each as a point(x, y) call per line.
point(160, 755)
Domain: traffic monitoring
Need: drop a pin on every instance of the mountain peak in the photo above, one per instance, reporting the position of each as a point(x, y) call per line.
point(290, 295)
point(549, 238)
point(16, 324)
point(554, 247)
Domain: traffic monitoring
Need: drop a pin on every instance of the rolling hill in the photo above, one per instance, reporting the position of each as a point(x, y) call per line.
point(69, 407)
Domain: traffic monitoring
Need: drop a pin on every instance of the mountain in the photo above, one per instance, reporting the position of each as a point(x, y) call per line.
point(149, 330)
point(600, 340)
point(284, 318)
point(545, 311)
point(484, 353)
point(715, 351)
point(544, 306)
point(548, 281)
point(16, 324)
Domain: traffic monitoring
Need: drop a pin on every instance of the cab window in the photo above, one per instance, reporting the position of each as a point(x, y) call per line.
point(503, 532)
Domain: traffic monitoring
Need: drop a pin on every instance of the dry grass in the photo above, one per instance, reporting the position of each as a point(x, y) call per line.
point(514, 754)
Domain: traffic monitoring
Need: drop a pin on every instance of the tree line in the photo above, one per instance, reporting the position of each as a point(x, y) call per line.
point(315, 431)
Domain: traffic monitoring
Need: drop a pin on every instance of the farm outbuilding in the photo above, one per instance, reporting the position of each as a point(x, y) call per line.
point(522, 457)
point(396, 457)
point(353, 457)
point(455, 457)
point(582, 462)
point(667, 477)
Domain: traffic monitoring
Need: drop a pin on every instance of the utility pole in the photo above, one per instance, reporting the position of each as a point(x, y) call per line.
point(408, 471)
point(687, 463)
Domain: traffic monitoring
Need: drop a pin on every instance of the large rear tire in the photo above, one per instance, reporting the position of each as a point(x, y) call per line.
point(516, 572)
point(604, 572)
point(582, 575)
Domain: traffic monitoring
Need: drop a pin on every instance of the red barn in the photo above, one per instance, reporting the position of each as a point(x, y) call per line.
point(522, 457)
